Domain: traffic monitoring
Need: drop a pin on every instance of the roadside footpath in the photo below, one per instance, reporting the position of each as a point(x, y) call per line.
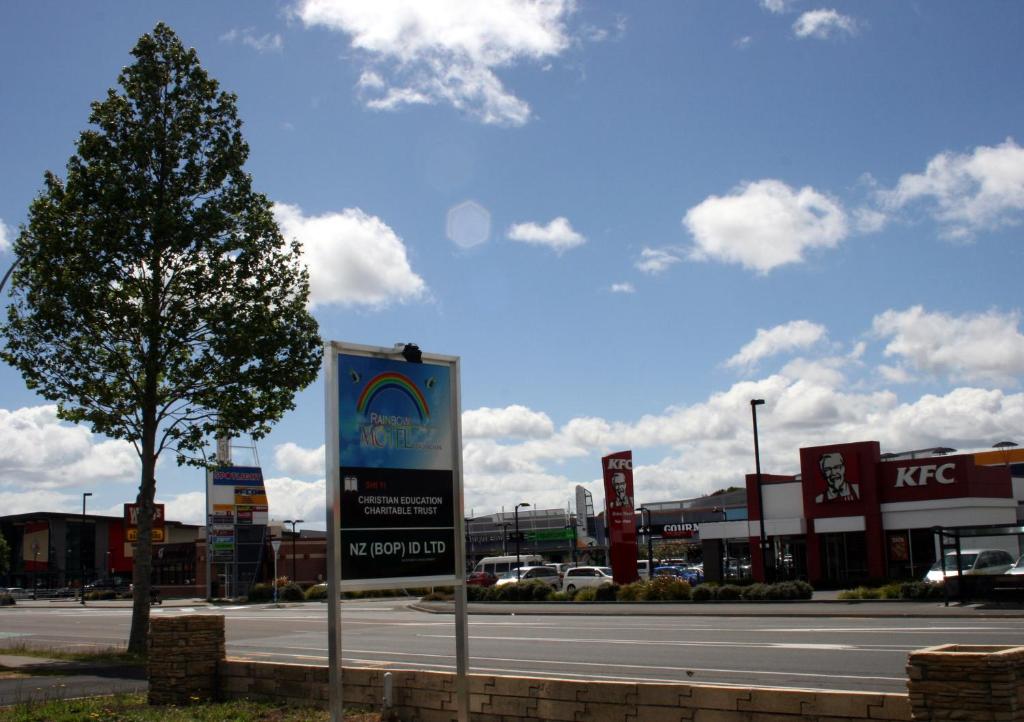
point(35, 679)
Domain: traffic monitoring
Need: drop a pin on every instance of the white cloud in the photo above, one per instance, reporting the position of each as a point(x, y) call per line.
point(188, 508)
point(447, 51)
point(33, 500)
point(354, 259)
point(294, 460)
point(985, 347)
point(558, 234)
point(894, 374)
point(869, 220)
point(624, 287)
point(743, 42)
point(5, 237)
point(293, 499)
point(510, 421)
point(777, 6)
point(656, 260)
point(968, 192)
point(778, 339)
point(822, 24)
point(266, 43)
point(41, 450)
point(765, 224)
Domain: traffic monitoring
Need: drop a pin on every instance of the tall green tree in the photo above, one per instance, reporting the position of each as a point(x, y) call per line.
point(5, 555)
point(155, 298)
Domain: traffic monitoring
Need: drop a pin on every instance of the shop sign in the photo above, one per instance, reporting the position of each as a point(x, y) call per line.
point(620, 515)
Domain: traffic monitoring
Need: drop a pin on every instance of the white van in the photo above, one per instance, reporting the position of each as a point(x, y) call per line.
point(496, 566)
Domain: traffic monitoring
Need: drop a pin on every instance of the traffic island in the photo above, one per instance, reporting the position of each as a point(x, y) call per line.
point(967, 682)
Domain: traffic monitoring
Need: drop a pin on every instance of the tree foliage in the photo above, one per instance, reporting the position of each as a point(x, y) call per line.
point(155, 298)
point(5, 555)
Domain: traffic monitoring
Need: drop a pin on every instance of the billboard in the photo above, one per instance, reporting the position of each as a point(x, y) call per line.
point(396, 446)
point(620, 515)
point(236, 495)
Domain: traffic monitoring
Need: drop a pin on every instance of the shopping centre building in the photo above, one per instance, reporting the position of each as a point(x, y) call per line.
point(855, 514)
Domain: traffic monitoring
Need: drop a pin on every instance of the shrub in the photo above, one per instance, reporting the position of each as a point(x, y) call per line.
point(540, 592)
point(290, 592)
point(702, 593)
point(558, 597)
point(729, 593)
point(586, 594)
point(755, 592)
point(631, 592)
point(261, 592)
point(6, 600)
point(667, 589)
point(920, 590)
point(607, 592)
point(860, 593)
point(890, 591)
point(804, 590)
point(316, 593)
point(437, 596)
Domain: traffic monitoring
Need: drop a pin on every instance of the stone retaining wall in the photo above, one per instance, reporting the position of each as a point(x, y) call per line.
point(971, 682)
point(183, 654)
point(187, 662)
point(430, 697)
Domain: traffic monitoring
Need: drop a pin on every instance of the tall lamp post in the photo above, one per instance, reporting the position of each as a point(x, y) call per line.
point(524, 503)
point(81, 544)
point(754, 403)
point(293, 523)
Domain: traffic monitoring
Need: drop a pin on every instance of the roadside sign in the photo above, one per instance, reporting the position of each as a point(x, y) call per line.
point(397, 450)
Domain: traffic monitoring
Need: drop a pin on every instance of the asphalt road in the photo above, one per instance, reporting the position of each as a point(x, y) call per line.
point(820, 652)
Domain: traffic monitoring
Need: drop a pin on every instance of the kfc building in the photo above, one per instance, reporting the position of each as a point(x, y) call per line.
point(854, 514)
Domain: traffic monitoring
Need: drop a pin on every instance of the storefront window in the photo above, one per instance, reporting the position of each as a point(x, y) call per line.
point(844, 556)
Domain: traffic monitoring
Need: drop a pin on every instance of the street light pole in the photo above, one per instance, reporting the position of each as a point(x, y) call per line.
point(517, 535)
point(293, 523)
point(754, 403)
point(81, 545)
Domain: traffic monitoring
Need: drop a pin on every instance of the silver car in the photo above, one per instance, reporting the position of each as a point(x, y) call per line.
point(972, 561)
point(548, 575)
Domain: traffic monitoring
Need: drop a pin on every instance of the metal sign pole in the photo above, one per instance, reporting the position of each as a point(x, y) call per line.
point(335, 694)
point(461, 612)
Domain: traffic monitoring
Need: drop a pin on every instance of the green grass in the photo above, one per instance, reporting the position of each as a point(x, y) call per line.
point(134, 708)
point(111, 655)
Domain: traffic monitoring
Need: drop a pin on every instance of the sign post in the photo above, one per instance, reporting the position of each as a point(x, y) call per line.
point(276, 545)
point(394, 485)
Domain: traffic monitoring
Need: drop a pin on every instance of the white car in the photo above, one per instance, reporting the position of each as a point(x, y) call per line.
point(972, 561)
point(548, 575)
point(580, 577)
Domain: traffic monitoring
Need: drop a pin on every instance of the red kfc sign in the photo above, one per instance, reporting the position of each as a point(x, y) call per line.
point(619, 515)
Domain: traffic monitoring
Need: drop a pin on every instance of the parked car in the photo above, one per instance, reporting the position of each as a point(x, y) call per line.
point(972, 561)
point(561, 567)
point(1017, 568)
point(481, 579)
point(689, 574)
point(580, 577)
point(528, 574)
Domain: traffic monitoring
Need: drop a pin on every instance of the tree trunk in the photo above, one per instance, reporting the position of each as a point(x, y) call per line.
point(143, 566)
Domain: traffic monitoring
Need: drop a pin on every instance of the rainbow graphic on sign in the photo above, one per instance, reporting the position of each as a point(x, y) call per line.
point(393, 414)
point(392, 381)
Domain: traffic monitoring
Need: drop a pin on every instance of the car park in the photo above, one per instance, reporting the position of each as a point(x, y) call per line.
point(529, 574)
point(972, 561)
point(481, 579)
point(580, 577)
point(687, 574)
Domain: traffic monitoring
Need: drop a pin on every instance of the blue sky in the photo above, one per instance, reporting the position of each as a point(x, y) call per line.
point(627, 219)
